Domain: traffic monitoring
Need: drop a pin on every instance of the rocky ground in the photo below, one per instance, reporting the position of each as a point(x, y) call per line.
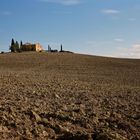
point(68, 97)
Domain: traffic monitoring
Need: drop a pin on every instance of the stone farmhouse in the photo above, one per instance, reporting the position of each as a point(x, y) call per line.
point(31, 47)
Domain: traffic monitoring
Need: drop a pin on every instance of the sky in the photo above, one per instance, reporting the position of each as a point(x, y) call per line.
point(96, 27)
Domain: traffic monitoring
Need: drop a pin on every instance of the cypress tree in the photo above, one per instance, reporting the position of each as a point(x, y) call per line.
point(17, 46)
point(12, 48)
point(21, 43)
point(48, 48)
point(12, 42)
point(61, 48)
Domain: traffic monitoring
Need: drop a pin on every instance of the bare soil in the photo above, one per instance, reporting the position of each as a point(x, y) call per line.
point(64, 96)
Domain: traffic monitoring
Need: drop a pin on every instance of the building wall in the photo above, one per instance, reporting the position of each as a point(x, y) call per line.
point(31, 47)
point(38, 47)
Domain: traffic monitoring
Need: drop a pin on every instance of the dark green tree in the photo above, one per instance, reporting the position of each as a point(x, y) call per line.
point(21, 43)
point(12, 48)
point(12, 42)
point(49, 48)
point(61, 48)
point(16, 45)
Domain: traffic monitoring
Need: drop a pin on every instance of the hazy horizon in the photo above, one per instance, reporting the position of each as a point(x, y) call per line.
point(96, 27)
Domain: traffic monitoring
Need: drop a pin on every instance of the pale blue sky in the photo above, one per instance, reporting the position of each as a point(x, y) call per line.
point(98, 27)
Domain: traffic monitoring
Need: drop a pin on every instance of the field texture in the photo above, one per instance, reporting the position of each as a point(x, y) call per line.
point(68, 97)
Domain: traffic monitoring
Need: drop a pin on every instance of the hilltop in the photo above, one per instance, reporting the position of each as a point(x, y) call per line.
point(69, 96)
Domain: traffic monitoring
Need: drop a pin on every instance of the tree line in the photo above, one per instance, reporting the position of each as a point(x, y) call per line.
point(15, 46)
point(51, 50)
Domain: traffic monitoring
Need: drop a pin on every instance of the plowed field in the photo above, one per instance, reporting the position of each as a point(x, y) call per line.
point(67, 96)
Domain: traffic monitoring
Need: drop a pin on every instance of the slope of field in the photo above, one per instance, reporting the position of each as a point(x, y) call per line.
point(69, 96)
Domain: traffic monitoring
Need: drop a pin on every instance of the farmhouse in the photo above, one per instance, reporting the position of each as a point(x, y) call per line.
point(31, 47)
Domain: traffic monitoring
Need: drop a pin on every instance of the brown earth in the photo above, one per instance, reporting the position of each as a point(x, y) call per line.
point(68, 97)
